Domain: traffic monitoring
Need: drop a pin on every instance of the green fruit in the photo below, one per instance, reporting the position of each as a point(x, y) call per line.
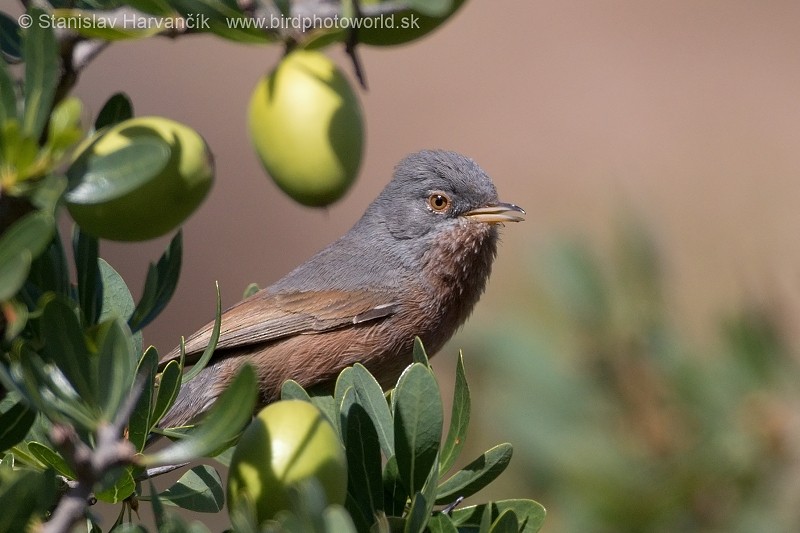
point(305, 123)
point(406, 25)
point(110, 208)
point(288, 442)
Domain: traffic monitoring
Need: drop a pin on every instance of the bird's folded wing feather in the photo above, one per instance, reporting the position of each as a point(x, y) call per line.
point(267, 317)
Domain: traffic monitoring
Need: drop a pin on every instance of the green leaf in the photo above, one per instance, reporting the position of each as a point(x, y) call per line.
point(117, 485)
point(40, 51)
point(431, 8)
point(16, 317)
point(394, 493)
point(370, 395)
point(49, 273)
point(162, 279)
point(327, 406)
point(418, 515)
point(14, 424)
point(459, 419)
point(13, 273)
point(417, 425)
point(212, 343)
point(343, 382)
point(475, 475)
point(419, 354)
point(65, 346)
point(199, 489)
point(505, 523)
point(8, 95)
point(168, 390)
point(529, 514)
point(90, 285)
point(117, 299)
point(116, 367)
point(51, 458)
point(229, 414)
point(222, 18)
point(154, 7)
point(97, 179)
point(141, 421)
point(158, 507)
point(103, 25)
point(292, 390)
point(10, 40)
point(364, 476)
point(441, 523)
point(25, 494)
point(31, 233)
point(115, 110)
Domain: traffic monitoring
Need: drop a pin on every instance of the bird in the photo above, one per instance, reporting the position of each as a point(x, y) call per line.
point(414, 265)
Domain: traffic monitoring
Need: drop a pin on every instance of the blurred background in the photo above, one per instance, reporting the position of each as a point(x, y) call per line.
point(636, 341)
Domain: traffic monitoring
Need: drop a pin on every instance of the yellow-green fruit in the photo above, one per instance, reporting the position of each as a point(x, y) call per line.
point(288, 442)
point(156, 206)
point(406, 26)
point(305, 123)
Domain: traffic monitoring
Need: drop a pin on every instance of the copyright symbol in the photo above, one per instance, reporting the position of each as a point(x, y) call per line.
point(25, 21)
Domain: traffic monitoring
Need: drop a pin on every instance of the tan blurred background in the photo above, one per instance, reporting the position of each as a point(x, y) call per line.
point(686, 112)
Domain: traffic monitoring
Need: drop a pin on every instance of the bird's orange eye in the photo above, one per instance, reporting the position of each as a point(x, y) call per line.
point(438, 202)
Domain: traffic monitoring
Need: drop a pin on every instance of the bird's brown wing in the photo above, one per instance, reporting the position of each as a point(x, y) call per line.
point(267, 317)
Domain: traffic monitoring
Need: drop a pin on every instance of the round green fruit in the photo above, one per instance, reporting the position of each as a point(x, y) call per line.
point(306, 125)
point(116, 205)
point(402, 27)
point(288, 442)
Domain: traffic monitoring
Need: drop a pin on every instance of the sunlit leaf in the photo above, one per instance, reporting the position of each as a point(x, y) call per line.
point(459, 419)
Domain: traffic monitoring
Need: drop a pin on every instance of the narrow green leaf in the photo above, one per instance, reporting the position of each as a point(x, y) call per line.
point(222, 19)
point(158, 507)
point(14, 424)
point(475, 475)
point(116, 369)
point(441, 523)
point(395, 495)
point(505, 523)
point(417, 517)
point(199, 489)
point(364, 476)
point(292, 390)
point(419, 354)
point(417, 425)
point(431, 8)
point(8, 96)
point(430, 487)
point(168, 390)
point(212, 343)
point(65, 346)
point(96, 179)
point(229, 414)
point(250, 290)
point(115, 110)
point(459, 419)
point(117, 299)
point(141, 421)
point(49, 273)
point(370, 395)
point(162, 279)
point(90, 284)
point(343, 382)
point(40, 51)
point(51, 458)
point(116, 486)
point(530, 514)
point(33, 233)
point(13, 273)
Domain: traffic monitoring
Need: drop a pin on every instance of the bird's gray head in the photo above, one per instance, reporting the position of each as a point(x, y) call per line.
point(436, 190)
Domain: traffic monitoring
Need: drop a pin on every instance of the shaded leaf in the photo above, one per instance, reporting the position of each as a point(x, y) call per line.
point(394, 493)
point(441, 523)
point(141, 421)
point(65, 346)
point(115, 110)
point(40, 51)
point(223, 16)
point(337, 520)
point(13, 273)
point(419, 354)
point(229, 414)
point(31, 233)
point(24, 494)
point(459, 419)
point(8, 96)
point(168, 388)
point(51, 458)
point(417, 425)
point(292, 390)
point(14, 424)
point(431, 8)
point(117, 485)
point(162, 279)
point(199, 489)
point(475, 475)
point(212, 343)
point(117, 299)
point(90, 284)
point(505, 523)
point(417, 517)
point(364, 476)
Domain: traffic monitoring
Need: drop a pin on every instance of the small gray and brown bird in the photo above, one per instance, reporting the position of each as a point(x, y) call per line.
point(415, 264)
